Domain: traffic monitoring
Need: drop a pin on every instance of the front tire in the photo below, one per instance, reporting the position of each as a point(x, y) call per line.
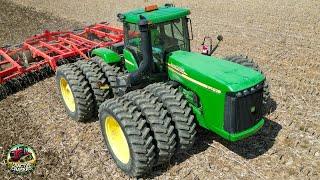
point(127, 136)
point(245, 61)
point(159, 122)
point(179, 111)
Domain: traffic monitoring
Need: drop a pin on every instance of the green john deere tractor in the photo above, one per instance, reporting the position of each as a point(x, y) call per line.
point(150, 91)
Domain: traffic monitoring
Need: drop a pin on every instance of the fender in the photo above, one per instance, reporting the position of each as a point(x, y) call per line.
point(107, 55)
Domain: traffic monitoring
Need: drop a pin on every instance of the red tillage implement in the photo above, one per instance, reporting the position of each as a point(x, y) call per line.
point(39, 56)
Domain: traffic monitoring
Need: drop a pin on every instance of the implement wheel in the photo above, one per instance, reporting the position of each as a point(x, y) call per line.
point(245, 61)
point(3, 92)
point(127, 136)
point(75, 92)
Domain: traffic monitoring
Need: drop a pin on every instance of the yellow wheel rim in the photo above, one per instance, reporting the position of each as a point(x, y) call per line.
point(67, 95)
point(117, 140)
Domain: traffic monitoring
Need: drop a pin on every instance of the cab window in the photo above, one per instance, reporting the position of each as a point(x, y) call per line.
point(132, 34)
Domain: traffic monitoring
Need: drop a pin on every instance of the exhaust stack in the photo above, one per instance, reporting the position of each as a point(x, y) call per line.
point(145, 67)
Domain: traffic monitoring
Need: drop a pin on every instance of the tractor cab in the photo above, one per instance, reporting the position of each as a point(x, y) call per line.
point(167, 29)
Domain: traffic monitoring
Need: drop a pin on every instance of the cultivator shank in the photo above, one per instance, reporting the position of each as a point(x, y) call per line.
point(39, 56)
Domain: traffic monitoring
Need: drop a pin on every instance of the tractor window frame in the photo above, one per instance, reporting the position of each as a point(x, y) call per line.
point(127, 27)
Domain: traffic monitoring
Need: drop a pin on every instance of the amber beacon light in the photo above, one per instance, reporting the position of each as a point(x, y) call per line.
point(151, 8)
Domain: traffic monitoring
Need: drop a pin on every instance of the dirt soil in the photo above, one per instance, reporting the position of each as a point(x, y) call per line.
point(282, 36)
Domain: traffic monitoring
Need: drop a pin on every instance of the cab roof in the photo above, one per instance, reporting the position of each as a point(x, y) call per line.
point(162, 14)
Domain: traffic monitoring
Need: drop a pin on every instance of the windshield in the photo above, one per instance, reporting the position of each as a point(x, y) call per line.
point(170, 36)
point(165, 37)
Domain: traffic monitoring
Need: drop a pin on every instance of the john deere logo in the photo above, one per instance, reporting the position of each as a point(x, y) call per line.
point(21, 159)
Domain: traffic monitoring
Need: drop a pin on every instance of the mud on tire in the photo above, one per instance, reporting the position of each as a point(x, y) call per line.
point(179, 111)
point(82, 96)
point(159, 122)
point(136, 132)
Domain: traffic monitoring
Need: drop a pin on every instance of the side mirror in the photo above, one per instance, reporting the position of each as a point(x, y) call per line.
point(209, 49)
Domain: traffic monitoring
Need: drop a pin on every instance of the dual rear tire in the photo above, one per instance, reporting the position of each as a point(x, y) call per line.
point(127, 136)
point(75, 92)
point(153, 132)
point(83, 86)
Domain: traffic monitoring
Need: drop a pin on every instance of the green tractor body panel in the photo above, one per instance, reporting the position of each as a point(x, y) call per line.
point(224, 75)
point(107, 55)
point(211, 79)
point(162, 14)
point(130, 62)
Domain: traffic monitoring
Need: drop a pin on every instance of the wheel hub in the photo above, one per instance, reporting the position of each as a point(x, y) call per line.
point(67, 95)
point(117, 139)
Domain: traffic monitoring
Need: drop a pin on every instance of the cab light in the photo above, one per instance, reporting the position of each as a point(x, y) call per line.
point(150, 8)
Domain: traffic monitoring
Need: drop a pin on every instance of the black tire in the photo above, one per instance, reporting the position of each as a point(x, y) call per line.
point(245, 61)
point(3, 92)
point(111, 72)
point(83, 98)
point(32, 78)
point(13, 85)
point(136, 132)
point(179, 111)
point(62, 62)
point(160, 124)
point(96, 79)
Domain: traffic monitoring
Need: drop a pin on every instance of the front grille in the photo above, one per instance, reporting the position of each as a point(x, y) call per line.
point(243, 109)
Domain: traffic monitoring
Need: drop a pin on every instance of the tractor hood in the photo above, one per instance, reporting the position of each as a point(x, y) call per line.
point(213, 72)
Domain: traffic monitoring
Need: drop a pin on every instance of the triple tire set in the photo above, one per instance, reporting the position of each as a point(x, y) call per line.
point(142, 129)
